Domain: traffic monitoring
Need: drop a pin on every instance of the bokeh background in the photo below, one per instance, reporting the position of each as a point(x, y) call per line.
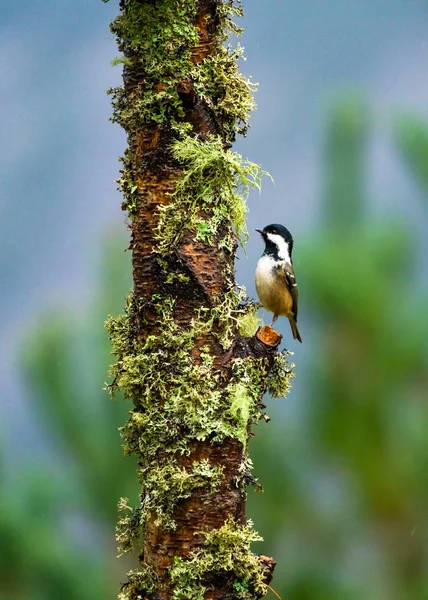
point(342, 126)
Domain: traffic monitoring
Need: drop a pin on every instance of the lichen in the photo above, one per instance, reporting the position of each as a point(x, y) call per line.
point(226, 91)
point(278, 380)
point(139, 584)
point(158, 36)
point(249, 322)
point(128, 528)
point(197, 402)
point(211, 192)
point(240, 409)
point(157, 39)
point(168, 485)
point(226, 551)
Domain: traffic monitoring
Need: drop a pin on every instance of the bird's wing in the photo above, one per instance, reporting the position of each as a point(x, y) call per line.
point(290, 279)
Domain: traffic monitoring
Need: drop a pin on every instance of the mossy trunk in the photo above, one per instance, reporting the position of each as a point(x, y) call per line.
point(195, 382)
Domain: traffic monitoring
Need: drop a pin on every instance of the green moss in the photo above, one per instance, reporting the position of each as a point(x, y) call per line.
point(249, 322)
point(240, 405)
point(163, 489)
point(126, 183)
point(196, 402)
point(139, 585)
point(172, 277)
point(245, 392)
point(226, 550)
point(158, 36)
point(278, 381)
point(224, 316)
point(121, 60)
point(226, 91)
point(128, 528)
point(159, 373)
point(166, 486)
point(199, 402)
point(210, 194)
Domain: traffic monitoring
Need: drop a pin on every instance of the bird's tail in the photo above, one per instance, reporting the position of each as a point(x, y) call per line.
point(295, 331)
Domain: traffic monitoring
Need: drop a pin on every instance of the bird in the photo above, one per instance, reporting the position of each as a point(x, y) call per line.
point(275, 279)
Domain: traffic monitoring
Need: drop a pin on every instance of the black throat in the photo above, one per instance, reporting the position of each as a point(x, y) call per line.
point(271, 249)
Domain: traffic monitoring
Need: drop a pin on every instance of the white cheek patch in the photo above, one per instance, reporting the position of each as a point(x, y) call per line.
point(282, 246)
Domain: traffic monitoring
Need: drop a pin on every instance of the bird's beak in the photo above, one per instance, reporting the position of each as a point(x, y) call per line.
point(259, 231)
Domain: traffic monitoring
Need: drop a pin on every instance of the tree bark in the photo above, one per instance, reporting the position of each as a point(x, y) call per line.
point(188, 288)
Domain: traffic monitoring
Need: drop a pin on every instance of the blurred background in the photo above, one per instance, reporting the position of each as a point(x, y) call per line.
point(342, 126)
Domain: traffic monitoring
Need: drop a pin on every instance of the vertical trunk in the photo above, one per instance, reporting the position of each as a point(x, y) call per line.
point(195, 382)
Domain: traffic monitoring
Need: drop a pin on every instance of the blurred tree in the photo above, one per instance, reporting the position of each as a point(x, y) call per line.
point(411, 135)
point(56, 519)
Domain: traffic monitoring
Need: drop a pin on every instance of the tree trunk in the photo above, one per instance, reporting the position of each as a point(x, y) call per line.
point(184, 356)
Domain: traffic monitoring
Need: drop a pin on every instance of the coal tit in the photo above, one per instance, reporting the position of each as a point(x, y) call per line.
point(275, 279)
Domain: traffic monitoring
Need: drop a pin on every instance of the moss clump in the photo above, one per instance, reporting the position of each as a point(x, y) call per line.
point(158, 36)
point(163, 489)
point(245, 392)
point(128, 529)
point(198, 400)
point(159, 39)
point(166, 486)
point(240, 409)
point(226, 550)
point(210, 194)
point(126, 183)
point(140, 584)
point(280, 374)
point(249, 322)
point(225, 90)
point(195, 397)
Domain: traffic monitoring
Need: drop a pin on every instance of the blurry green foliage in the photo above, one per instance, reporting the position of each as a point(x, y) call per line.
point(349, 504)
point(411, 134)
point(57, 519)
point(345, 471)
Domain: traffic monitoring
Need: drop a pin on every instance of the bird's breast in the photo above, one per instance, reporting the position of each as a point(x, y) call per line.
point(272, 288)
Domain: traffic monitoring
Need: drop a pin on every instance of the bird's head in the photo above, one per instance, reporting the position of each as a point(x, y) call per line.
point(278, 241)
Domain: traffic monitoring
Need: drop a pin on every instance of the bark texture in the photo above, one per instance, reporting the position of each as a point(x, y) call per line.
point(181, 327)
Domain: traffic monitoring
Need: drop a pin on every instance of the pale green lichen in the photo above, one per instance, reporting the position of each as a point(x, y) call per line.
point(128, 528)
point(225, 551)
point(197, 404)
point(139, 584)
point(211, 192)
point(160, 373)
point(169, 484)
point(159, 38)
point(249, 323)
point(126, 183)
point(240, 404)
point(224, 316)
point(163, 488)
point(225, 90)
point(280, 375)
